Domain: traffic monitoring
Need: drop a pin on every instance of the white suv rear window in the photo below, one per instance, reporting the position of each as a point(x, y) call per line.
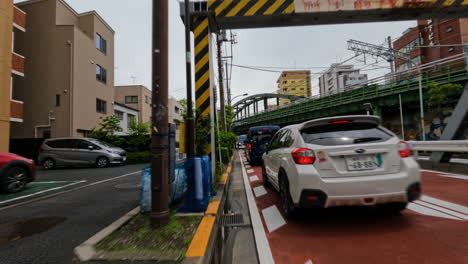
point(344, 134)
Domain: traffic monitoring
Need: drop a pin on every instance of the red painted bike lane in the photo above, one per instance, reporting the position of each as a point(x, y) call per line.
point(433, 230)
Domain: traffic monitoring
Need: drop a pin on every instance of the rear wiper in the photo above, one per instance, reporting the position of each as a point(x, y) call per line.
point(366, 139)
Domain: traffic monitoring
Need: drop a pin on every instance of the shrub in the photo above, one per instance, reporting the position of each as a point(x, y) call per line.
point(138, 157)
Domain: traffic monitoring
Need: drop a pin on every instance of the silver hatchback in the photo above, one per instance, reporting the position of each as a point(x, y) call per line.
point(60, 152)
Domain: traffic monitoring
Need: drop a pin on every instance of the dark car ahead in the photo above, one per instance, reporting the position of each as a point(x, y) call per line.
point(15, 172)
point(257, 139)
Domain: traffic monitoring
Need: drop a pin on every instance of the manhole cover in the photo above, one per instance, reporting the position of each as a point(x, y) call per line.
point(128, 186)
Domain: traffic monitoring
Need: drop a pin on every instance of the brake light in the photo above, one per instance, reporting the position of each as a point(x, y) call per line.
point(405, 149)
point(341, 122)
point(303, 156)
point(249, 146)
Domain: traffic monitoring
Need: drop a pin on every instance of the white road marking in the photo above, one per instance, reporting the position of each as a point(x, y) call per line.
point(51, 182)
point(428, 211)
point(251, 171)
point(448, 174)
point(462, 177)
point(309, 262)
point(254, 178)
point(263, 248)
point(456, 207)
point(444, 210)
point(273, 218)
point(248, 166)
point(44, 191)
point(259, 191)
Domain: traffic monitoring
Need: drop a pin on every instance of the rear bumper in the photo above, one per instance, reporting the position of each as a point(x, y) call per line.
point(318, 199)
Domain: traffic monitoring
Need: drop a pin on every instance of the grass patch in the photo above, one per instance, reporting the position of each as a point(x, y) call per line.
point(139, 236)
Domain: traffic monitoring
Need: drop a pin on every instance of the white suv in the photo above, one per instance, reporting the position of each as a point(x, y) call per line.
point(341, 161)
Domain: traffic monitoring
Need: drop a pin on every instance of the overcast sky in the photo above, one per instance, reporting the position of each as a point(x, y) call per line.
point(306, 47)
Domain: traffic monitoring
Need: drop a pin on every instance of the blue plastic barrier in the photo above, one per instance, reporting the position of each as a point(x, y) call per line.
point(145, 193)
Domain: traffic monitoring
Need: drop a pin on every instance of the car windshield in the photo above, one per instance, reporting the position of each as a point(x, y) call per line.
point(105, 144)
point(344, 134)
point(261, 139)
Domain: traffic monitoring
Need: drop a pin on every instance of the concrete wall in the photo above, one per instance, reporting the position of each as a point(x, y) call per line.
point(62, 61)
point(6, 27)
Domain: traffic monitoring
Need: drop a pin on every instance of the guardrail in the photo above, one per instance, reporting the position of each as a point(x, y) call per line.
point(439, 145)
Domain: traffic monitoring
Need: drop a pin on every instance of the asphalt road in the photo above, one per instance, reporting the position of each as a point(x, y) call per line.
point(430, 230)
point(47, 231)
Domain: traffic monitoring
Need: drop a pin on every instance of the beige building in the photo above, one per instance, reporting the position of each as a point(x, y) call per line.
point(70, 65)
point(294, 83)
point(137, 97)
point(12, 71)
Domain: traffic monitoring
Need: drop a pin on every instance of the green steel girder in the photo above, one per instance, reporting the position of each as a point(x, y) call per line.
point(349, 102)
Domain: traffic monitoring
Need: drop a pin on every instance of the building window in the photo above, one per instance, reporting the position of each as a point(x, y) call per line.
point(146, 99)
point(119, 114)
point(302, 89)
point(449, 29)
point(57, 100)
point(451, 49)
point(285, 81)
point(131, 99)
point(101, 106)
point(176, 110)
point(131, 117)
point(101, 43)
point(293, 89)
point(101, 74)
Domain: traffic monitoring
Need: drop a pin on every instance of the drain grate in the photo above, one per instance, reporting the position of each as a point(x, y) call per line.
point(232, 220)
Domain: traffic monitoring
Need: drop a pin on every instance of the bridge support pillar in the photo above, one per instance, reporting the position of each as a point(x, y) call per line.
point(277, 102)
point(265, 103)
point(456, 128)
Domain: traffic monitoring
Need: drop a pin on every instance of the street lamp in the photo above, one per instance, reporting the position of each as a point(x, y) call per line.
point(230, 102)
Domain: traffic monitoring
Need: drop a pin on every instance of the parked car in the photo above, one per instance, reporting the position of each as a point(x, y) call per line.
point(60, 152)
point(257, 139)
point(241, 141)
point(341, 161)
point(15, 172)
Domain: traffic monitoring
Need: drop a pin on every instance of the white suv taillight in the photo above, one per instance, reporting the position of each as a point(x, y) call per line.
point(303, 156)
point(405, 149)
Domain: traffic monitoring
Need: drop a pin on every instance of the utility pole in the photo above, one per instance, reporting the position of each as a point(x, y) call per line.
point(190, 126)
point(390, 47)
point(221, 82)
point(160, 129)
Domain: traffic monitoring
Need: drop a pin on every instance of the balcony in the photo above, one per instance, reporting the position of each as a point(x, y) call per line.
point(19, 19)
point(17, 66)
point(16, 111)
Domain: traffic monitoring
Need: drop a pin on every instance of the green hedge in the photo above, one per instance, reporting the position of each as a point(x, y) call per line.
point(138, 157)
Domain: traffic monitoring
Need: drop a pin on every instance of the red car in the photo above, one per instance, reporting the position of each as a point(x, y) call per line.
point(15, 172)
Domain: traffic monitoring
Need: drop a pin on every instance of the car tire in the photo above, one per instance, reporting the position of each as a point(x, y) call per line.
point(394, 207)
point(287, 206)
point(48, 164)
point(102, 162)
point(14, 179)
point(266, 182)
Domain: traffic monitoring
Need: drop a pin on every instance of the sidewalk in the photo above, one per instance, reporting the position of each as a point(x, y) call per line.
point(240, 243)
point(455, 165)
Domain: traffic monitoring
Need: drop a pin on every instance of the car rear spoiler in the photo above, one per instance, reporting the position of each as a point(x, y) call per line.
point(342, 120)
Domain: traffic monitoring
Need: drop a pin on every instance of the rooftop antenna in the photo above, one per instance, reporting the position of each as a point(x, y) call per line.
point(133, 78)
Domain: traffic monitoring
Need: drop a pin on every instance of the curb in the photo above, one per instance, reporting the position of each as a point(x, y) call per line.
point(86, 251)
point(203, 245)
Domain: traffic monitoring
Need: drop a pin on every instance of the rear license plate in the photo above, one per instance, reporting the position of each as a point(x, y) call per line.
point(359, 163)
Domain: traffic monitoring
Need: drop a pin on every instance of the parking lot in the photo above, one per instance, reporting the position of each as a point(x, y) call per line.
point(63, 208)
point(430, 230)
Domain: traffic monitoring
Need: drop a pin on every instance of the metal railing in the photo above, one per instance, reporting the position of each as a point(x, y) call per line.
point(439, 146)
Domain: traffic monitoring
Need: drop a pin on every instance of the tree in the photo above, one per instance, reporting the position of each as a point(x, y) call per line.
point(443, 95)
point(108, 126)
point(138, 128)
point(229, 116)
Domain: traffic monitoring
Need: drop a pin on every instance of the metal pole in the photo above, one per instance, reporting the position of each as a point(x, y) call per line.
point(421, 106)
point(221, 82)
point(160, 130)
point(190, 127)
point(401, 118)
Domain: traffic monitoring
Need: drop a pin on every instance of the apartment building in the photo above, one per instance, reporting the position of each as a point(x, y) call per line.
point(70, 62)
point(137, 97)
point(125, 114)
point(338, 77)
point(294, 83)
point(432, 32)
point(12, 69)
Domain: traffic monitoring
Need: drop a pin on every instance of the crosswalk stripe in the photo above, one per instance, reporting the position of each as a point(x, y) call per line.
point(455, 207)
point(273, 218)
point(428, 211)
point(444, 210)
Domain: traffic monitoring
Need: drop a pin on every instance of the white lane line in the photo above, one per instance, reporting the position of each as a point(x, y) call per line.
point(462, 177)
point(248, 166)
point(309, 262)
point(448, 174)
point(44, 182)
point(259, 191)
point(67, 191)
point(428, 211)
point(263, 248)
point(273, 218)
point(444, 210)
point(456, 207)
point(251, 171)
point(41, 192)
point(254, 178)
